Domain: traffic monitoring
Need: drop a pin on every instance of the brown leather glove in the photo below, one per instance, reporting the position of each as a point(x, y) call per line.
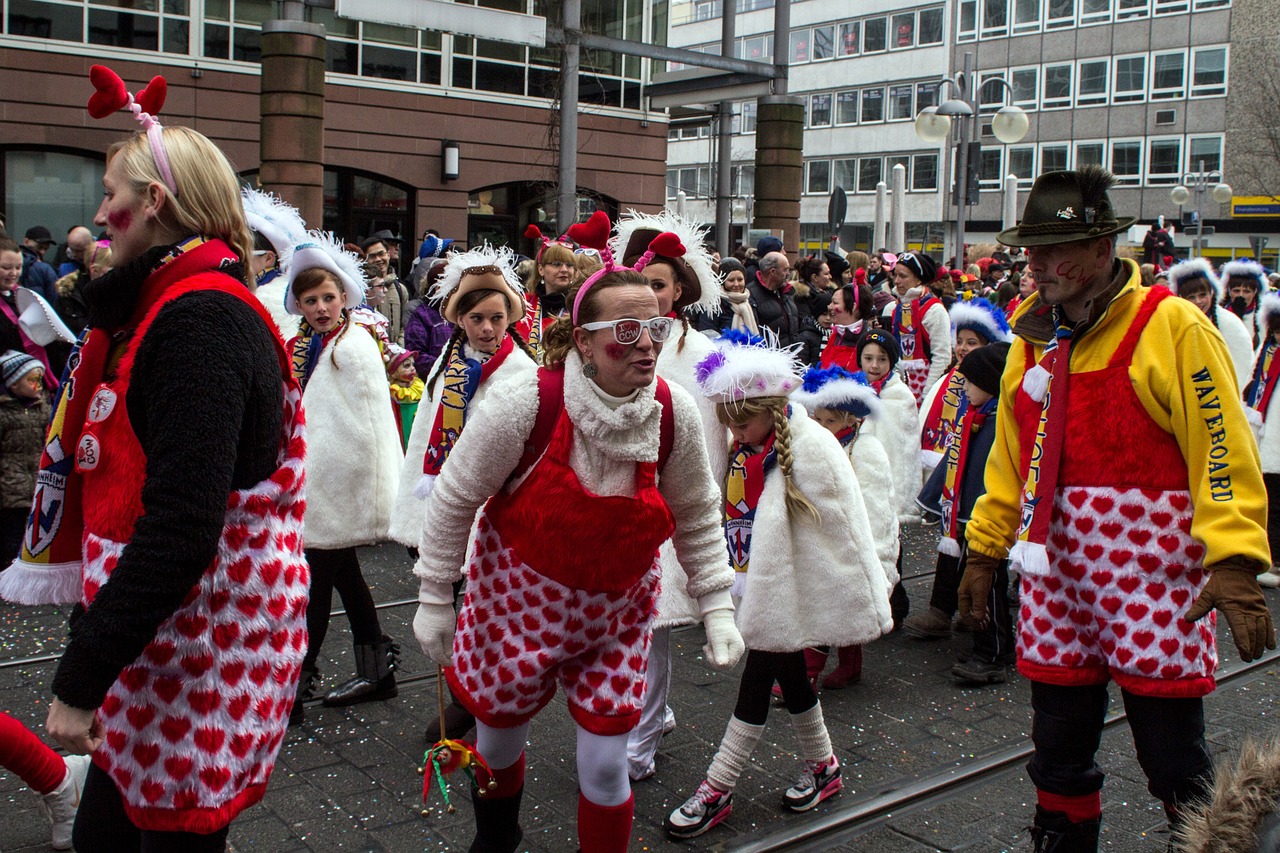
point(975, 586)
point(1233, 590)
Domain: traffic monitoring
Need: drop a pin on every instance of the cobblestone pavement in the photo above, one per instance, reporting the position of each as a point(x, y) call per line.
point(346, 779)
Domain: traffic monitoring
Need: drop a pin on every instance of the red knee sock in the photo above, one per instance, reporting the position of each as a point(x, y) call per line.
point(1077, 809)
point(28, 758)
point(509, 780)
point(604, 829)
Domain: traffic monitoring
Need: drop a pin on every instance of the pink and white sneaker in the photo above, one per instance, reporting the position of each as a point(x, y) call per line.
point(817, 782)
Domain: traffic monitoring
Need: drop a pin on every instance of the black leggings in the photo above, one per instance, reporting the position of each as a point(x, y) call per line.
point(1272, 482)
point(764, 668)
point(338, 570)
point(102, 825)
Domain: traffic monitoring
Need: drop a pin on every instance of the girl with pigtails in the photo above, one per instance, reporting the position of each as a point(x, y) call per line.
point(817, 581)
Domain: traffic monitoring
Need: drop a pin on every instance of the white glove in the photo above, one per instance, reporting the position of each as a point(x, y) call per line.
point(435, 621)
point(724, 644)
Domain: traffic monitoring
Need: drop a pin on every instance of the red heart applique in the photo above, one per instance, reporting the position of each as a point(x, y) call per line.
point(111, 94)
point(151, 98)
point(668, 245)
point(592, 234)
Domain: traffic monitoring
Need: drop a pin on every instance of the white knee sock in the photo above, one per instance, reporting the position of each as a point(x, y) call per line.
point(602, 768)
point(501, 747)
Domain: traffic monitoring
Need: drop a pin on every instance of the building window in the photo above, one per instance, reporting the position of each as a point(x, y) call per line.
point(746, 183)
point(995, 18)
point(847, 107)
point(924, 172)
point(874, 35)
point(1057, 87)
point(1211, 4)
point(1026, 86)
point(755, 48)
point(1204, 153)
point(1171, 7)
point(1164, 161)
point(926, 95)
point(967, 25)
point(903, 160)
point(989, 177)
point(846, 174)
point(799, 46)
point(873, 104)
point(900, 98)
point(1053, 158)
point(1128, 9)
point(870, 173)
point(748, 120)
point(820, 110)
point(824, 42)
point(929, 30)
point(850, 36)
point(1026, 16)
point(819, 178)
point(1168, 76)
point(1062, 14)
point(1094, 12)
point(1209, 72)
point(673, 183)
point(1022, 163)
point(50, 188)
point(1091, 82)
point(1126, 162)
point(904, 30)
point(1090, 153)
point(1130, 79)
point(990, 95)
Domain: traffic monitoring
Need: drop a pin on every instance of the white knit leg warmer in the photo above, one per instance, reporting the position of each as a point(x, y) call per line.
point(735, 750)
point(811, 730)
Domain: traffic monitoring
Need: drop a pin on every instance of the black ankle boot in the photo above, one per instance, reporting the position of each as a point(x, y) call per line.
point(375, 676)
point(306, 690)
point(497, 823)
point(457, 722)
point(1055, 833)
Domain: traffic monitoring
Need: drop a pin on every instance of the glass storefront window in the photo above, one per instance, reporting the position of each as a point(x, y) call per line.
point(49, 188)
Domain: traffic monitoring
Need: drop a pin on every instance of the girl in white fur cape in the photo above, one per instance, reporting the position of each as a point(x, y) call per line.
point(814, 580)
point(352, 464)
point(1196, 282)
point(843, 403)
point(682, 285)
point(1262, 406)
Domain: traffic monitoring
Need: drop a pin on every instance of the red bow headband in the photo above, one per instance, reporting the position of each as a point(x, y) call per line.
point(666, 244)
point(592, 234)
point(111, 95)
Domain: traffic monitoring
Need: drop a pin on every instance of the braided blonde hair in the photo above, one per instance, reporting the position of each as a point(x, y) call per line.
point(731, 413)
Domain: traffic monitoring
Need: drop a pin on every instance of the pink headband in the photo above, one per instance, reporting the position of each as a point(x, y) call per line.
point(666, 244)
point(112, 95)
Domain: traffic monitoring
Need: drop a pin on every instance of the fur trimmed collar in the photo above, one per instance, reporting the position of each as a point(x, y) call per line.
point(629, 432)
point(1244, 793)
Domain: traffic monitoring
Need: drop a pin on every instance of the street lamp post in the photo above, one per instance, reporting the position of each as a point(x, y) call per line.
point(1199, 183)
point(933, 124)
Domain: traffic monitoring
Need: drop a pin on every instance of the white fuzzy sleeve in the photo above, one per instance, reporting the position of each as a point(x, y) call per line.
point(871, 465)
point(484, 457)
point(1239, 345)
point(937, 322)
point(693, 495)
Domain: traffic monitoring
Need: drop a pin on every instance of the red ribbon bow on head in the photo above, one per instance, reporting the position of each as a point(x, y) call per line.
point(111, 95)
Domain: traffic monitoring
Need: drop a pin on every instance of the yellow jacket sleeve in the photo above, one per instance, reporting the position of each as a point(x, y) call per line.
point(993, 525)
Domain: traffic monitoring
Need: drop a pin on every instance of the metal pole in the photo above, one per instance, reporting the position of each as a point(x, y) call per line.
point(1202, 184)
point(781, 43)
point(567, 204)
point(967, 94)
point(724, 172)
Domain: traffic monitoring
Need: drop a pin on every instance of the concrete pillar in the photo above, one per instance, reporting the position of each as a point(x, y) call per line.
point(292, 109)
point(779, 167)
point(898, 210)
point(878, 239)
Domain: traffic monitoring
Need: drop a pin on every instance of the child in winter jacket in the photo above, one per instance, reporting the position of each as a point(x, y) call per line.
point(24, 414)
point(951, 492)
point(814, 583)
point(406, 390)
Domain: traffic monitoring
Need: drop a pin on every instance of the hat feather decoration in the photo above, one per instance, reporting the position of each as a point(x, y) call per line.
point(481, 262)
point(743, 366)
point(980, 316)
point(837, 388)
point(320, 249)
point(273, 218)
point(1245, 268)
point(1188, 271)
point(691, 235)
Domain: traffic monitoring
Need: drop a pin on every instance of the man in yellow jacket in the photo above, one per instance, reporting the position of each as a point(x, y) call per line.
point(1126, 488)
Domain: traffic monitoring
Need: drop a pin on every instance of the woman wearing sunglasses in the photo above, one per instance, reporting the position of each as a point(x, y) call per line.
point(563, 581)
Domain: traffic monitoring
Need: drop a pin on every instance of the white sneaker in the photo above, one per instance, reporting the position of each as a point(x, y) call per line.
point(60, 804)
point(1270, 578)
point(707, 807)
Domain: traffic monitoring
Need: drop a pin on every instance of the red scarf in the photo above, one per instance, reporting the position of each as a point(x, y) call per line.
point(942, 413)
point(967, 423)
point(461, 379)
point(748, 468)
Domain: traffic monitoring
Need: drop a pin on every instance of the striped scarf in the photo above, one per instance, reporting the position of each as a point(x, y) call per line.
point(1257, 394)
point(968, 422)
point(461, 379)
point(748, 469)
point(305, 349)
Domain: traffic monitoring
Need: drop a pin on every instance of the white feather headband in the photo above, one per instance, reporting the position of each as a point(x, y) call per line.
point(1246, 268)
point(321, 249)
point(743, 366)
point(692, 235)
point(274, 218)
point(477, 267)
point(1187, 271)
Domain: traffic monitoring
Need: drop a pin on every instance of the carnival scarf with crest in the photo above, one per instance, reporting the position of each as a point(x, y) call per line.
point(1040, 479)
point(968, 422)
point(461, 378)
point(943, 413)
point(305, 349)
point(905, 319)
point(542, 318)
point(48, 568)
point(748, 468)
point(848, 435)
point(1257, 395)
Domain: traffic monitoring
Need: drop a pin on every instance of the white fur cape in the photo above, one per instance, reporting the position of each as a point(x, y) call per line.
point(1239, 345)
point(871, 467)
point(813, 584)
point(1268, 433)
point(271, 295)
point(677, 367)
point(899, 432)
point(409, 515)
point(353, 448)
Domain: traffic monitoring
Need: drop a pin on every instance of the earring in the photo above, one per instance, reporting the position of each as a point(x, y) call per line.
point(589, 370)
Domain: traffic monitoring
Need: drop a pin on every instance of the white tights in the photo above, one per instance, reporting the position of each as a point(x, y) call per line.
point(602, 759)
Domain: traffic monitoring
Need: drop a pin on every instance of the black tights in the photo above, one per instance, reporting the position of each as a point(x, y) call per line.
point(338, 570)
point(102, 825)
point(764, 668)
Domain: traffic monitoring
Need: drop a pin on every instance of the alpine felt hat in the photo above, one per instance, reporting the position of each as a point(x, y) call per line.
point(1063, 207)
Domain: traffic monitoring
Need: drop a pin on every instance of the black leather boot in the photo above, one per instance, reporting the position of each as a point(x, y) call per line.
point(375, 676)
point(1054, 833)
point(306, 690)
point(497, 823)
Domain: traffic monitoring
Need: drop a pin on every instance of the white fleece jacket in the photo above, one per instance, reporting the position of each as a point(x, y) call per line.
point(813, 584)
point(677, 366)
point(1268, 435)
point(871, 467)
point(899, 432)
point(353, 447)
point(409, 515)
point(606, 444)
point(1239, 345)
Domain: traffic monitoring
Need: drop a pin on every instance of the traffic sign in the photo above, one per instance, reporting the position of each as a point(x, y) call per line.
point(836, 210)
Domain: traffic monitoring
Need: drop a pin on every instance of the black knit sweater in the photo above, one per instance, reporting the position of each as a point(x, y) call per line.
point(206, 403)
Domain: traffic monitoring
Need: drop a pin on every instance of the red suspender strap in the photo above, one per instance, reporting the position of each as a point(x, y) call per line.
point(667, 430)
point(1124, 353)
